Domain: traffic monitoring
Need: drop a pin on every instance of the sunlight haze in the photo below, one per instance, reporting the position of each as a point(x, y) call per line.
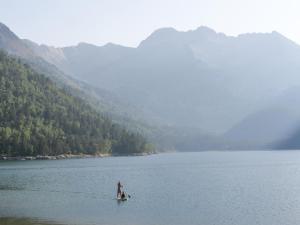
point(68, 22)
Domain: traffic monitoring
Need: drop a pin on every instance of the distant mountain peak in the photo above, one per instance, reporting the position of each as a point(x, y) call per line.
point(11, 43)
point(111, 45)
point(169, 34)
point(205, 29)
point(3, 26)
point(273, 33)
point(279, 35)
point(276, 33)
point(164, 31)
point(270, 37)
point(6, 33)
point(160, 36)
point(81, 44)
point(85, 45)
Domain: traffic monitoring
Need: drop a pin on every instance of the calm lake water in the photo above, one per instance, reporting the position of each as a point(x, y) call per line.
point(209, 188)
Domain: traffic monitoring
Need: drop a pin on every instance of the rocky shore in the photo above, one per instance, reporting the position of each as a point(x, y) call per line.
point(57, 157)
point(65, 156)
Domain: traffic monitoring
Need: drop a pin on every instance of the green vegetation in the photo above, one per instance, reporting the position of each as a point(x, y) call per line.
point(39, 118)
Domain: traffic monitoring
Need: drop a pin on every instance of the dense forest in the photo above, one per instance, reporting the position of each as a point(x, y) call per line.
point(39, 118)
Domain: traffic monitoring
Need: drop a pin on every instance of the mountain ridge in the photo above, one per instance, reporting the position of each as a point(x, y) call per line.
point(105, 101)
point(200, 78)
point(202, 51)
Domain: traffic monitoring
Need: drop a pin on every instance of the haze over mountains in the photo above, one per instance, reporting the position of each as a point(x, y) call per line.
point(240, 89)
point(41, 61)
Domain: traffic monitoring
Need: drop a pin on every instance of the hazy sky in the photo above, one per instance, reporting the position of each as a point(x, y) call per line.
point(127, 22)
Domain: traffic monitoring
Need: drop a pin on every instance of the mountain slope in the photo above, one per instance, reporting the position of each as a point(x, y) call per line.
point(10, 42)
point(271, 125)
point(291, 142)
point(38, 117)
point(263, 128)
point(53, 63)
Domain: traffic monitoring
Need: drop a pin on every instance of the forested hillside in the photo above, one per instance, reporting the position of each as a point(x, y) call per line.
point(38, 117)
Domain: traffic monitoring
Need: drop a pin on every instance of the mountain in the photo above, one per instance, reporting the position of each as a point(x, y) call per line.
point(13, 45)
point(190, 86)
point(51, 61)
point(291, 142)
point(199, 79)
point(44, 59)
point(263, 128)
point(38, 117)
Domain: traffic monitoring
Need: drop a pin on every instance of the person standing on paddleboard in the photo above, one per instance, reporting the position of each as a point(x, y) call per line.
point(119, 192)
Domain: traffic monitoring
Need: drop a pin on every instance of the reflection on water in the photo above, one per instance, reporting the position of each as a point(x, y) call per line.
point(26, 221)
point(4, 187)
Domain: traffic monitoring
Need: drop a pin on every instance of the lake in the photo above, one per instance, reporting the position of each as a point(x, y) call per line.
point(209, 188)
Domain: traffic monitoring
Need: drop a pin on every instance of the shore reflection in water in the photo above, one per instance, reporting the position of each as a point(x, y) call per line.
point(27, 221)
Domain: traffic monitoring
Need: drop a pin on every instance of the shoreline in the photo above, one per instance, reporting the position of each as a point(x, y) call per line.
point(67, 156)
point(26, 221)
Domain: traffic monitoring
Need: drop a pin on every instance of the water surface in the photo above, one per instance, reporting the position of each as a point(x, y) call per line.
point(224, 188)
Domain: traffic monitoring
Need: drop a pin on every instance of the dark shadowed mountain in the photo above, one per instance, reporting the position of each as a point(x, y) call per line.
point(292, 142)
point(263, 128)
